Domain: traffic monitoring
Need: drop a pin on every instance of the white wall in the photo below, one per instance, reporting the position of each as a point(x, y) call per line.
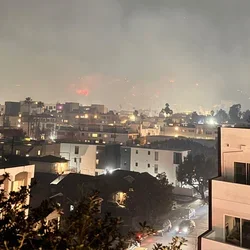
point(165, 162)
point(235, 147)
point(84, 162)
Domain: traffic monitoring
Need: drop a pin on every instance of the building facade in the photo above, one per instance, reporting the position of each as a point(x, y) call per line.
point(229, 217)
point(155, 161)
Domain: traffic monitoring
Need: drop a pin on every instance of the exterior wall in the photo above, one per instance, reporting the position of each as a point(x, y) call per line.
point(83, 162)
point(18, 176)
point(55, 168)
point(146, 161)
point(235, 147)
point(149, 131)
point(229, 198)
point(125, 163)
point(208, 244)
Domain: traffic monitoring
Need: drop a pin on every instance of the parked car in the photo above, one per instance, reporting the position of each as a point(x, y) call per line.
point(185, 227)
point(162, 227)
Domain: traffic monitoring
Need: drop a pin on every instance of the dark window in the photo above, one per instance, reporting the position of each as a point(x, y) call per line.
point(156, 156)
point(177, 158)
point(82, 134)
point(80, 160)
point(125, 163)
point(148, 165)
point(76, 150)
point(156, 169)
point(136, 152)
point(232, 230)
point(245, 234)
point(99, 135)
point(148, 152)
point(75, 160)
point(241, 173)
point(136, 164)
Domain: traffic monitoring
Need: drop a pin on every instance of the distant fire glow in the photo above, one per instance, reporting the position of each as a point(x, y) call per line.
point(84, 92)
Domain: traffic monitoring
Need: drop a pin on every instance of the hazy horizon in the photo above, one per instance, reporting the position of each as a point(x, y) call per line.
point(126, 54)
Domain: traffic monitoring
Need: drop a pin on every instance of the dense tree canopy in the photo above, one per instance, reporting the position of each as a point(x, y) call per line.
point(196, 171)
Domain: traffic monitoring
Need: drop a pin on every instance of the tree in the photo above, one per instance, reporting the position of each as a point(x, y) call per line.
point(136, 113)
point(194, 117)
point(40, 105)
point(221, 116)
point(235, 113)
point(166, 110)
point(246, 116)
point(212, 113)
point(196, 172)
point(156, 199)
point(28, 101)
point(176, 244)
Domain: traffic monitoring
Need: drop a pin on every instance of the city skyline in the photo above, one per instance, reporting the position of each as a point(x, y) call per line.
point(126, 54)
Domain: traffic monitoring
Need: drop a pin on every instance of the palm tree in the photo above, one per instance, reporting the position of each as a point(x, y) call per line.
point(40, 105)
point(28, 101)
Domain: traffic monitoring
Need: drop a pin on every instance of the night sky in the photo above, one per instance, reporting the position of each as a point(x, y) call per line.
point(192, 54)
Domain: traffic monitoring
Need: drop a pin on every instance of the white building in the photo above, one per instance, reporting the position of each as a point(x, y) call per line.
point(156, 161)
point(229, 222)
point(81, 157)
point(18, 176)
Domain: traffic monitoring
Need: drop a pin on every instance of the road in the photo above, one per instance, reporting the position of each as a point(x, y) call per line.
point(201, 220)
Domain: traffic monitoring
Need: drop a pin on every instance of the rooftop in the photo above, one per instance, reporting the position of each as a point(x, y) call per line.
point(48, 158)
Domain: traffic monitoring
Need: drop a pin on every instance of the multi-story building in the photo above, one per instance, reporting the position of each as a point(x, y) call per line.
point(12, 108)
point(155, 161)
point(97, 134)
point(229, 216)
point(199, 131)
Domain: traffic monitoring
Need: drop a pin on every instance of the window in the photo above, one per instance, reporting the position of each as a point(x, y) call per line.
point(99, 135)
point(125, 150)
point(240, 172)
point(177, 158)
point(82, 134)
point(149, 152)
point(148, 165)
point(71, 208)
point(94, 135)
point(39, 152)
point(113, 136)
point(136, 164)
point(75, 160)
point(125, 163)
point(156, 169)
point(156, 156)
point(76, 150)
point(237, 231)
point(80, 160)
point(136, 152)
point(18, 152)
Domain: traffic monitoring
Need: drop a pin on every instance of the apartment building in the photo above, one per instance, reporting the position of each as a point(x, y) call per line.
point(18, 176)
point(229, 215)
point(198, 131)
point(156, 161)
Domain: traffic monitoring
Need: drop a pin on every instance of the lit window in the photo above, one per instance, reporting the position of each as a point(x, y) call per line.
point(105, 136)
point(39, 152)
point(18, 152)
point(95, 135)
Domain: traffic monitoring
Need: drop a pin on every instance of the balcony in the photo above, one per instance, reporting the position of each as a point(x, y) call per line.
point(210, 241)
point(230, 191)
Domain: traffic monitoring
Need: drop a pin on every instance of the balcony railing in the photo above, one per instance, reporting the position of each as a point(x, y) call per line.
point(211, 241)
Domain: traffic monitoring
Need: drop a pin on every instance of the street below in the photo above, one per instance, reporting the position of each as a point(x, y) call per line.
point(201, 221)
